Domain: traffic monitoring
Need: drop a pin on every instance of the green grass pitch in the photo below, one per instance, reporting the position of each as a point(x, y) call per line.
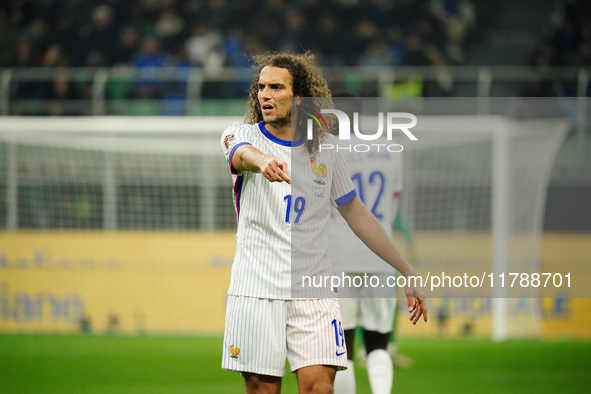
point(152, 364)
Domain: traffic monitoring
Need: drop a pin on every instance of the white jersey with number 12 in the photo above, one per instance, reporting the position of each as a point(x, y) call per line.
point(377, 176)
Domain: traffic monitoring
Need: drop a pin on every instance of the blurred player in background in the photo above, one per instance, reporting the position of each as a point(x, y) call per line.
point(264, 324)
point(378, 180)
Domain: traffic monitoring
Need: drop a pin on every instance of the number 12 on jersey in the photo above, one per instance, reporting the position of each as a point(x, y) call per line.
point(299, 206)
point(375, 179)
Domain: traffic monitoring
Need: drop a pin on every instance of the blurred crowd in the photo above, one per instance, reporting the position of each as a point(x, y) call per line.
point(214, 33)
point(567, 41)
point(564, 42)
point(184, 35)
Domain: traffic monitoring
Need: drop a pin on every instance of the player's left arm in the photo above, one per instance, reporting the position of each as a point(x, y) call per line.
point(370, 231)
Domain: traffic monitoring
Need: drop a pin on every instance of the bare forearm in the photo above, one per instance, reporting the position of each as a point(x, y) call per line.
point(246, 158)
point(370, 231)
point(249, 158)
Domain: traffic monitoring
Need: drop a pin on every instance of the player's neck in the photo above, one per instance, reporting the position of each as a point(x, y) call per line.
point(283, 132)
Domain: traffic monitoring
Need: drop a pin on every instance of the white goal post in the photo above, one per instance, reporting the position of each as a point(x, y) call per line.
point(474, 187)
point(504, 166)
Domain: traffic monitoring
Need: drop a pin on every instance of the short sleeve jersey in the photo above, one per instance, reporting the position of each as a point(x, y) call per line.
point(377, 176)
point(268, 211)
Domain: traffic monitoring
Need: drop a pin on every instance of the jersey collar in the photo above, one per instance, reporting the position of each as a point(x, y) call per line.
point(279, 141)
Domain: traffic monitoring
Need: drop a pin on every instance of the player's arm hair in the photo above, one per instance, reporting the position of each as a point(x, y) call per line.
point(249, 158)
point(369, 230)
point(245, 158)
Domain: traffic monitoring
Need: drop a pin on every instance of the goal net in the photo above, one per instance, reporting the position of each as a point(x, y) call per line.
point(474, 198)
point(114, 224)
point(127, 225)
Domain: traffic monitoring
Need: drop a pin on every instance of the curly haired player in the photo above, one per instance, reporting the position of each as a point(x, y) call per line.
point(265, 323)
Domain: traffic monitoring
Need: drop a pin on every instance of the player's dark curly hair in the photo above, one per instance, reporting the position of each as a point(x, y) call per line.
point(308, 81)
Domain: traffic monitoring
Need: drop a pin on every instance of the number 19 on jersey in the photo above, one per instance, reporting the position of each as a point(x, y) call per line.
point(299, 205)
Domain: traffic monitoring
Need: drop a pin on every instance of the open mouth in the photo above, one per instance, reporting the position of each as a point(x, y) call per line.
point(267, 108)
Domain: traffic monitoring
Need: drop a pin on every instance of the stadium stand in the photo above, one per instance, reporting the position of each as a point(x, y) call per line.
point(115, 57)
point(82, 33)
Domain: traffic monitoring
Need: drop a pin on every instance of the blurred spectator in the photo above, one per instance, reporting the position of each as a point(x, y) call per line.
point(98, 38)
point(192, 10)
point(416, 54)
point(269, 23)
point(65, 34)
point(567, 36)
point(548, 55)
point(8, 36)
point(49, 10)
point(535, 86)
point(149, 63)
point(295, 33)
point(183, 66)
point(431, 32)
point(23, 55)
point(127, 46)
point(54, 56)
point(202, 44)
point(242, 14)
point(62, 95)
point(365, 33)
point(170, 29)
point(398, 44)
point(458, 18)
point(232, 47)
point(379, 53)
point(174, 101)
point(328, 43)
point(38, 36)
point(216, 14)
point(566, 43)
point(405, 13)
point(584, 57)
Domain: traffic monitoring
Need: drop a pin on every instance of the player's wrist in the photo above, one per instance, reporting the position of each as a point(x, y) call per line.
point(408, 272)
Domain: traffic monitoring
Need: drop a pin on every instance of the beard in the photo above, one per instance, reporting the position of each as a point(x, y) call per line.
point(280, 121)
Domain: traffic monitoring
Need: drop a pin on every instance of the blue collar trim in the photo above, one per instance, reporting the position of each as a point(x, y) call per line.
point(276, 140)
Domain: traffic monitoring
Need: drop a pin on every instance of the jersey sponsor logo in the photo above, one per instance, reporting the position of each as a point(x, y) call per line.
point(339, 354)
point(234, 351)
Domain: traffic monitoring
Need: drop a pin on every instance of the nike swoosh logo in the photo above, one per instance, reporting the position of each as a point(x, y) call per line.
point(340, 354)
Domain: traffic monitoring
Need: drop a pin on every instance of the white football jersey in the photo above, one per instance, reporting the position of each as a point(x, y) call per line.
point(281, 227)
point(377, 177)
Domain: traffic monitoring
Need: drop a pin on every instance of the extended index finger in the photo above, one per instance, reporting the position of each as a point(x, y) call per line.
point(275, 173)
point(283, 173)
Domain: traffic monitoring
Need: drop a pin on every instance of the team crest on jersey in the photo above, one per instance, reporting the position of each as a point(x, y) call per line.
point(234, 351)
point(320, 171)
point(228, 140)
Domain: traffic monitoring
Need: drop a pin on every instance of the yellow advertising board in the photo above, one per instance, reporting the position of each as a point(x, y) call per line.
point(176, 282)
point(157, 282)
